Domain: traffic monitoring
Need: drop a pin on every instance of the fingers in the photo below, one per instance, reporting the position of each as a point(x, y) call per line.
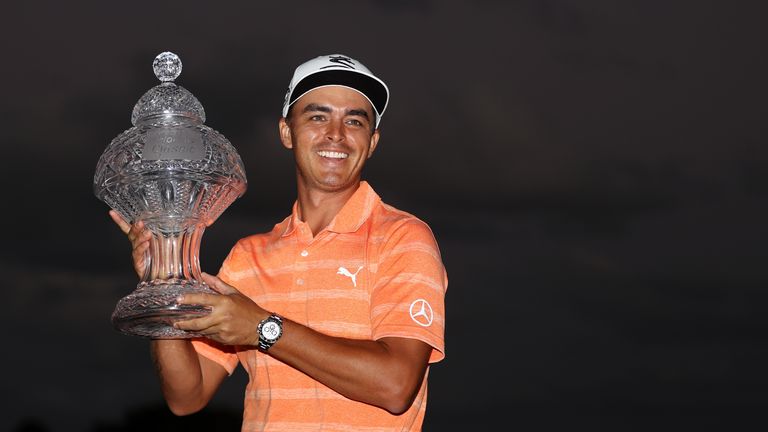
point(198, 325)
point(139, 237)
point(232, 318)
point(140, 258)
point(206, 325)
point(124, 226)
point(219, 285)
point(224, 326)
point(202, 299)
point(140, 249)
point(138, 233)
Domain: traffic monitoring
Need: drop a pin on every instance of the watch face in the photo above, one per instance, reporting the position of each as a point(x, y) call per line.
point(270, 330)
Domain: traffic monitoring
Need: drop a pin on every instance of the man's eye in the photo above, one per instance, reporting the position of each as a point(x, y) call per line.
point(354, 122)
point(317, 118)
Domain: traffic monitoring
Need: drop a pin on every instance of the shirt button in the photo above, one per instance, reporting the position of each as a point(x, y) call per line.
point(299, 281)
point(304, 253)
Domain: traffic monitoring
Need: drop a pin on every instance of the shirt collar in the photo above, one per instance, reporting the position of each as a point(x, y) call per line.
point(354, 213)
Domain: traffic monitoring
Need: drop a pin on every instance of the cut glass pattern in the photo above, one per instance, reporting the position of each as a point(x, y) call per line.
point(178, 176)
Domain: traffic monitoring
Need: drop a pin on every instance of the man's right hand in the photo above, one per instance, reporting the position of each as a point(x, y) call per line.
point(140, 238)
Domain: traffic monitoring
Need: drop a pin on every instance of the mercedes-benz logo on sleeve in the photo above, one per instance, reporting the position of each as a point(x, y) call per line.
point(421, 312)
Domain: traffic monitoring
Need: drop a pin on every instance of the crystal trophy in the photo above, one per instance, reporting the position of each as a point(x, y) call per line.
point(177, 176)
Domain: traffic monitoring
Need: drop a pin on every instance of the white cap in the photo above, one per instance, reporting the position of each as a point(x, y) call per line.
point(337, 70)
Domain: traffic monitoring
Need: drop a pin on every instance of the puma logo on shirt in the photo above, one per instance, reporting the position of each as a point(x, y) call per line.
point(343, 271)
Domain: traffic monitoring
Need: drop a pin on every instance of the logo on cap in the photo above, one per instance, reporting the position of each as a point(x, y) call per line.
point(421, 313)
point(341, 61)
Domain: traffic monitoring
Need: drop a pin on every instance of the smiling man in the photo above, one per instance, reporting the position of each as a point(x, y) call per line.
point(337, 313)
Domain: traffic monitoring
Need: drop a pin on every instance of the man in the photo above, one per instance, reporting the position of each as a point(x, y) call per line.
point(337, 312)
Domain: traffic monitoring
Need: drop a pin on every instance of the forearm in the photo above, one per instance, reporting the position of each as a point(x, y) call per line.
point(186, 382)
point(385, 373)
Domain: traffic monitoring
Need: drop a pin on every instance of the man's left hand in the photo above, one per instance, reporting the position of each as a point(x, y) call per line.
point(234, 318)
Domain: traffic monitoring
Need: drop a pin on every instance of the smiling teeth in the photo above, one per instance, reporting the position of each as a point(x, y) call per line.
point(334, 155)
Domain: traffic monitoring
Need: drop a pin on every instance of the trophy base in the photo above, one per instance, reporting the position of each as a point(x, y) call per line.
point(151, 309)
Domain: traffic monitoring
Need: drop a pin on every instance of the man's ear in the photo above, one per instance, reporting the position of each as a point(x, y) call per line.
point(374, 142)
point(285, 133)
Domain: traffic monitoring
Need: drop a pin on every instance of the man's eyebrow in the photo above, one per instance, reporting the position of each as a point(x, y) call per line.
point(316, 107)
point(358, 112)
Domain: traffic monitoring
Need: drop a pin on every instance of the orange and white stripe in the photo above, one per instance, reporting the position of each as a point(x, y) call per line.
point(313, 281)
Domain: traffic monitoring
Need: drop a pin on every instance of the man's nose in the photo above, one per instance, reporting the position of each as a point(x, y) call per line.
point(335, 130)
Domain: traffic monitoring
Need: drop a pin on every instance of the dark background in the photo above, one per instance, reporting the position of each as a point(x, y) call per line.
point(595, 172)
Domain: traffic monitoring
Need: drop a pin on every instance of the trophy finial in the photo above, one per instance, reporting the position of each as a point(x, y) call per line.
point(167, 66)
point(167, 100)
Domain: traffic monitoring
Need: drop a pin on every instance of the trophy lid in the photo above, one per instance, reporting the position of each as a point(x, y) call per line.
point(167, 100)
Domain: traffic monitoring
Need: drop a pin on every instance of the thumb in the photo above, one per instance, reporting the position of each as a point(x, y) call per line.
point(219, 285)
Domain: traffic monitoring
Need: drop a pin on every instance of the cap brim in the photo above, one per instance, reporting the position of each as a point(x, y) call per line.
point(373, 89)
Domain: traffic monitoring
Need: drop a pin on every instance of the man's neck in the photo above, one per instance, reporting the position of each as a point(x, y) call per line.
point(318, 208)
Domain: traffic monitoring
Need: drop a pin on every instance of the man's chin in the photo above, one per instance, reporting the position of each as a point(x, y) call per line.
point(336, 184)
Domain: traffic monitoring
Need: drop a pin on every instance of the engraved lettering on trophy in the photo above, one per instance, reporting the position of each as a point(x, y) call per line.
point(169, 144)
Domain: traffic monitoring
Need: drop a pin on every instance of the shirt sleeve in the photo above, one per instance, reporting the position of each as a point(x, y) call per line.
point(223, 355)
point(408, 296)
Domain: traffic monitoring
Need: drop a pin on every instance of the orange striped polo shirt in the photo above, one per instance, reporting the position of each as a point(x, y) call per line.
point(374, 272)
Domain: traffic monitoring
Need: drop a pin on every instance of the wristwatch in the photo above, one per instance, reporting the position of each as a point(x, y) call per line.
point(270, 329)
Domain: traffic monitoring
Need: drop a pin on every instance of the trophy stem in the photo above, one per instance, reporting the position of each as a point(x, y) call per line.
point(173, 269)
point(174, 255)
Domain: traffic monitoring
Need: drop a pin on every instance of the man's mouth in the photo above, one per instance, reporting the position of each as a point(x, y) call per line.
point(333, 154)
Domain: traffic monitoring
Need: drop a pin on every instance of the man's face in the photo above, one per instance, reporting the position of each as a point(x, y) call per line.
point(330, 132)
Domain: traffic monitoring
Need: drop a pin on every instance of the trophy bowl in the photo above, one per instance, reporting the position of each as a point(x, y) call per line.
point(177, 176)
